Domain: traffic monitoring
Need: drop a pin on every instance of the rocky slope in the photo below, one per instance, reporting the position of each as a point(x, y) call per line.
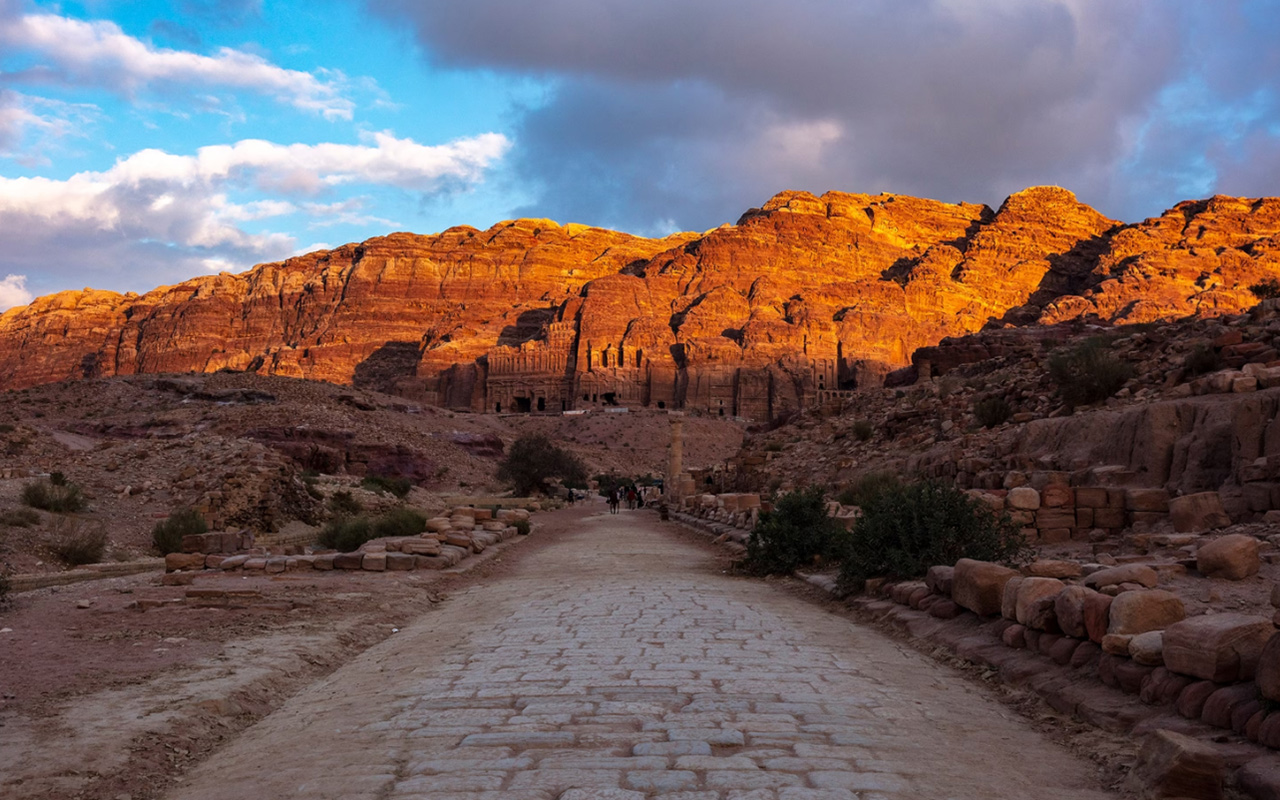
point(804, 295)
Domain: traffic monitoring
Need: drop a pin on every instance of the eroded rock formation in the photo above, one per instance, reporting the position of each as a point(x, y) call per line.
point(801, 298)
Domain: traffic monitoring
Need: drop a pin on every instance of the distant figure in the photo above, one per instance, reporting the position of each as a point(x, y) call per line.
point(571, 497)
point(613, 501)
point(631, 498)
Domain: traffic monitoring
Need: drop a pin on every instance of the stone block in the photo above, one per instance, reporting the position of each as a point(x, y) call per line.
point(1109, 518)
point(177, 561)
point(1191, 700)
point(374, 562)
point(1054, 535)
point(1054, 568)
point(1147, 648)
point(1268, 672)
point(1068, 608)
point(1117, 644)
point(1148, 500)
point(1029, 611)
point(1173, 765)
point(979, 585)
point(1233, 557)
point(1023, 498)
point(939, 579)
point(1217, 647)
point(1090, 497)
point(1125, 573)
point(1223, 703)
point(323, 561)
point(1009, 598)
point(1145, 610)
point(400, 561)
point(1084, 517)
point(1057, 495)
point(348, 560)
point(1097, 615)
point(1195, 513)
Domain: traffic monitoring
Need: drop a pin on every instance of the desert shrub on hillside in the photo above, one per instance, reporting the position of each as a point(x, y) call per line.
point(992, 411)
point(862, 429)
point(1088, 373)
point(5, 588)
point(522, 526)
point(867, 487)
point(62, 498)
point(906, 529)
point(796, 533)
point(166, 536)
point(1266, 290)
point(343, 504)
point(76, 543)
point(387, 484)
point(1202, 359)
point(399, 522)
point(533, 461)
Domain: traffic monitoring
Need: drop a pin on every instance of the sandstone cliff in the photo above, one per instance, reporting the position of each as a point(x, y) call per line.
point(801, 298)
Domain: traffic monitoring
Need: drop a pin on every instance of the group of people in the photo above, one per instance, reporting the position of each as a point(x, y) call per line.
point(624, 494)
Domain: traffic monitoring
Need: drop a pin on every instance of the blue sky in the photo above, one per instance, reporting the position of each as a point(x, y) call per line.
point(142, 143)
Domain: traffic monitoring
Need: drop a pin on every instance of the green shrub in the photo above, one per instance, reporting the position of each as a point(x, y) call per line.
point(522, 526)
point(1202, 359)
point(992, 411)
point(78, 545)
point(386, 484)
point(166, 536)
point(1266, 290)
point(867, 487)
point(61, 498)
point(796, 533)
point(19, 518)
point(343, 504)
point(399, 522)
point(5, 588)
point(346, 534)
point(907, 529)
point(773, 447)
point(862, 429)
point(533, 461)
point(1088, 373)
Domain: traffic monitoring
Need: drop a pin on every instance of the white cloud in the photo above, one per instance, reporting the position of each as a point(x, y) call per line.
point(51, 119)
point(13, 292)
point(155, 210)
point(99, 53)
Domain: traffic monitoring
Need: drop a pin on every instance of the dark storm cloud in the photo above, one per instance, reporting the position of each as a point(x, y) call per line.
point(685, 113)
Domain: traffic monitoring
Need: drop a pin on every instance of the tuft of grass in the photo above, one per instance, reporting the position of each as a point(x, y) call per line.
point(79, 544)
point(862, 429)
point(19, 518)
point(346, 534)
point(868, 487)
point(60, 498)
point(521, 526)
point(166, 536)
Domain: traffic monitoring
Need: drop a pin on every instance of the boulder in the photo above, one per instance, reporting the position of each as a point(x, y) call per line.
point(1233, 557)
point(1126, 573)
point(939, 579)
point(1147, 500)
point(1051, 568)
point(1023, 498)
point(1217, 647)
point(1268, 673)
point(1144, 610)
point(1029, 609)
point(1148, 648)
point(1068, 607)
point(979, 585)
point(177, 561)
point(1009, 599)
point(1195, 513)
point(1097, 615)
point(1173, 765)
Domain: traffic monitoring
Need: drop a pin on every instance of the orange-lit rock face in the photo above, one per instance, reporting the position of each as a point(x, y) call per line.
point(803, 296)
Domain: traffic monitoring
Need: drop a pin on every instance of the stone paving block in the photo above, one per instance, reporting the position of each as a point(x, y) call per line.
point(661, 781)
point(858, 781)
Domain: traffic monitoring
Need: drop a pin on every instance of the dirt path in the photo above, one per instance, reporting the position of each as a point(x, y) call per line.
point(620, 658)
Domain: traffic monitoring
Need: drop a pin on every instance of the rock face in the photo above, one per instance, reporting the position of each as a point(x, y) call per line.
point(801, 299)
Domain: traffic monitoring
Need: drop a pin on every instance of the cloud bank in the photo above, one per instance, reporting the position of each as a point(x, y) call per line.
point(13, 292)
point(177, 213)
point(667, 111)
point(99, 54)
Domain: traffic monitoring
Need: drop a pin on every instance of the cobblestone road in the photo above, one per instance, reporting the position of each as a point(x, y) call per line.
point(614, 665)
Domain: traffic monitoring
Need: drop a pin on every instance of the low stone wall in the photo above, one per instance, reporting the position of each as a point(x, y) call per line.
point(447, 541)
